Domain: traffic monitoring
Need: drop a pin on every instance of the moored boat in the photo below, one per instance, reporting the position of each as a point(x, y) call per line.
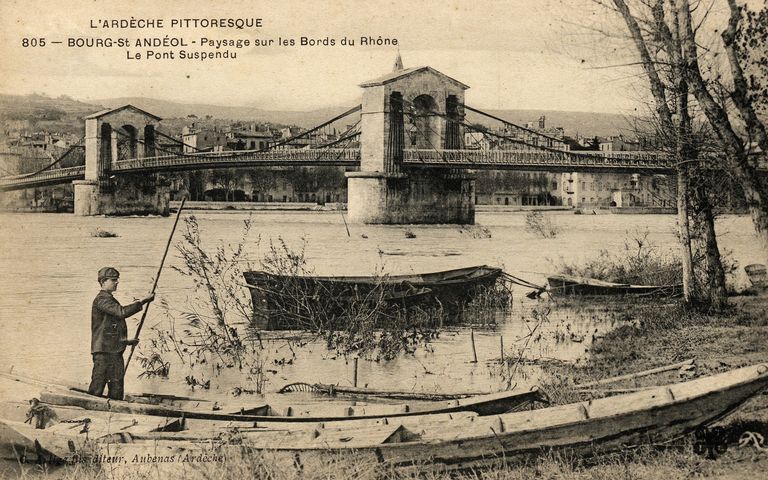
point(487, 404)
point(651, 416)
point(570, 285)
point(275, 296)
point(314, 411)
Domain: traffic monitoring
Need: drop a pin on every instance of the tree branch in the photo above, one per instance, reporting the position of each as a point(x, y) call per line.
point(657, 86)
point(740, 87)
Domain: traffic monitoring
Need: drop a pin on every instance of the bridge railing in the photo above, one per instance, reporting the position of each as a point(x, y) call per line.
point(242, 157)
point(535, 158)
point(61, 173)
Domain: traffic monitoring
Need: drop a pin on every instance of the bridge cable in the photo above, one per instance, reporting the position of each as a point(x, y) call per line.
point(51, 165)
point(510, 123)
point(441, 137)
point(312, 130)
point(250, 152)
point(640, 170)
point(233, 154)
point(180, 142)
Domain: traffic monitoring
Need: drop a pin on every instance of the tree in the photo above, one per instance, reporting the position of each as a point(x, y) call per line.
point(227, 179)
point(658, 44)
point(740, 46)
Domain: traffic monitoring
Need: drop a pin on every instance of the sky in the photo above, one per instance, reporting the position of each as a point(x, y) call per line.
point(522, 54)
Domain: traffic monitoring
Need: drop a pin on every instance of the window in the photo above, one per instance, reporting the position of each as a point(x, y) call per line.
point(554, 185)
point(583, 185)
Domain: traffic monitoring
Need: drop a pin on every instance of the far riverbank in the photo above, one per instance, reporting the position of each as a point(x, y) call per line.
point(338, 206)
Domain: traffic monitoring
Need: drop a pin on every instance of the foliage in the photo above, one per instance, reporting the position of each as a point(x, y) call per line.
point(500, 181)
point(639, 262)
point(100, 233)
point(372, 320)
point(540, 225)
point(216, 315)
point(476, 231)
point(154, 366)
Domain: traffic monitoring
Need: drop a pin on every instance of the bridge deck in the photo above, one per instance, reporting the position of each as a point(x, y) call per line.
point(541, 160)
point(469, 159)
point(48, 177)
point(242, 158)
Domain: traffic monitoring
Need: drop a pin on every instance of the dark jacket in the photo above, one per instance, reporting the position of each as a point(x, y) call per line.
point(108, 328)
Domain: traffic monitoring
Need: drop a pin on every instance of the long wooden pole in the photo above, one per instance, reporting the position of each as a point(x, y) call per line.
point(644, 373)
point(472, 339)
point(157, 277)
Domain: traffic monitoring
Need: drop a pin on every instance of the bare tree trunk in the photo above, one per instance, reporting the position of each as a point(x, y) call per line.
point(754, 187)
point(713, 294)
point(684, 230)
point(664, 114)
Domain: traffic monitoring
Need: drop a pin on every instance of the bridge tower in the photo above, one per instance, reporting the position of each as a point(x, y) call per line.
point(410, 109)
point(112, 135)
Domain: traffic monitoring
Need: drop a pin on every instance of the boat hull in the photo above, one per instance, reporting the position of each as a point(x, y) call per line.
point(652, 416)
point(568, 285)
point(487, 404)
point(275, 297)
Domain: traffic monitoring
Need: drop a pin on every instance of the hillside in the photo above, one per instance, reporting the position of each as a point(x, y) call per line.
point(585, 123)
point(40, 112)
point(65, 114)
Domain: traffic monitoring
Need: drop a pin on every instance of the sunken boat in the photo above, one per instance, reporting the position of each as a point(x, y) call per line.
point(288, 301)
point(570, 285)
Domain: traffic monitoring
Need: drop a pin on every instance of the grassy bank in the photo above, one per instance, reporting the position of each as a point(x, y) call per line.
point(662, 334)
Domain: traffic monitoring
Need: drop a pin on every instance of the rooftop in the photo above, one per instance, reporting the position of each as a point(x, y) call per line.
point(396, 75)
point(108, 111)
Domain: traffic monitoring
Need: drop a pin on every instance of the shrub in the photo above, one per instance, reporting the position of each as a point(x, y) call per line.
point(540, 225)
point(639, 262)
point(476, 231)
point(99, 233)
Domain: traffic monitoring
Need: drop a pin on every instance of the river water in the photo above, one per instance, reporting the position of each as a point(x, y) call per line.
point(48, 265)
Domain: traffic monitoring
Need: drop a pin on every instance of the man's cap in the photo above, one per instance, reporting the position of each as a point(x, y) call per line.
point(108, 272)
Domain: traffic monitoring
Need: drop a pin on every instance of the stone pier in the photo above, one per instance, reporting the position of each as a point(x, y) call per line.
point(419, 109)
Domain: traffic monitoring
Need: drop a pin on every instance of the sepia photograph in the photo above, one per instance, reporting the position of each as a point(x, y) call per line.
point(354, 239)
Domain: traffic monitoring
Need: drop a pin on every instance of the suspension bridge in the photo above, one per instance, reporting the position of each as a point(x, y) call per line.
point(406, 141)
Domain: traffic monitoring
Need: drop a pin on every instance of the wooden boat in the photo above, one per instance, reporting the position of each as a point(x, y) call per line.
point(488, 404)
point(275, 296)
point(569, 285)
point(654, 416)
point(191, 408)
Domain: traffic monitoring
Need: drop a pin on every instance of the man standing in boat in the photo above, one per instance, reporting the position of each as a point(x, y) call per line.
point(109, 335)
